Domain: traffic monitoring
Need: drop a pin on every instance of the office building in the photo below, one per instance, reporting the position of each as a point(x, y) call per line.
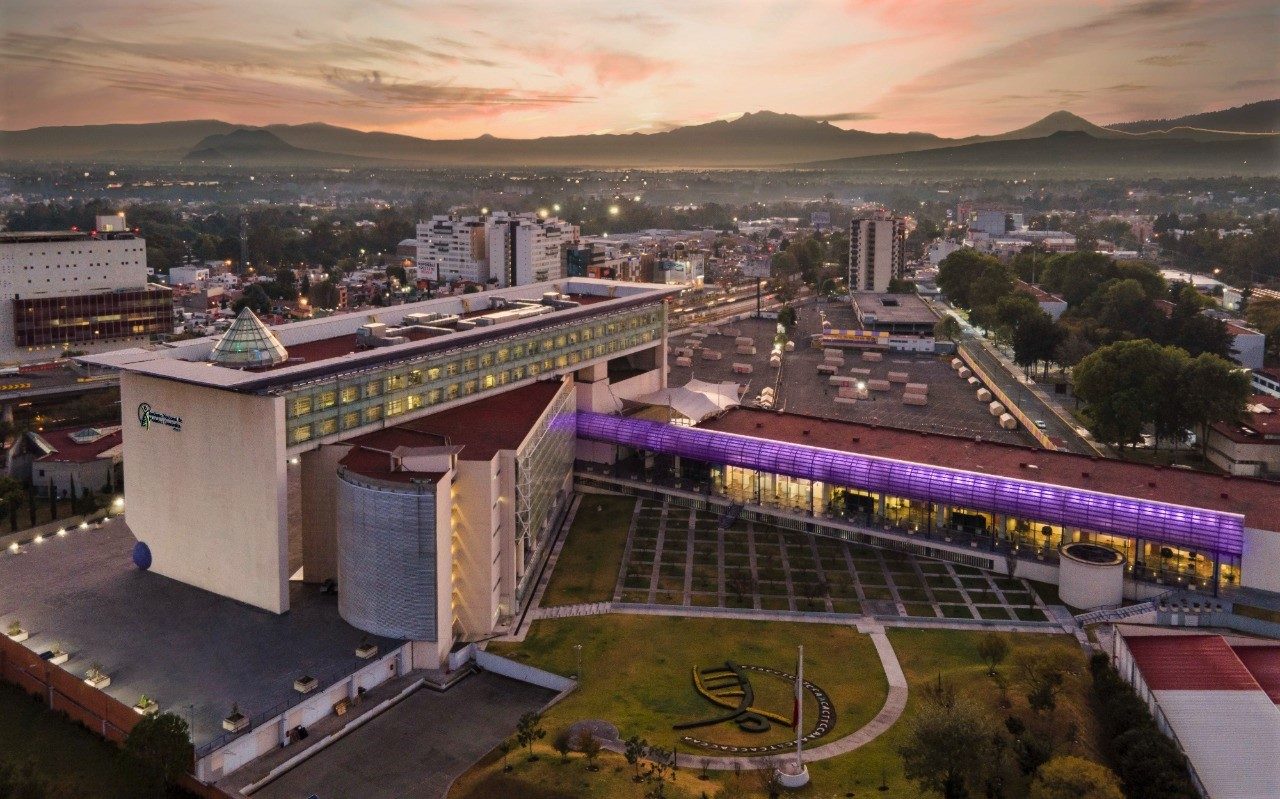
point(995, 223)
point(526, 248)
point(453, 249)
point(70, 290)
point(877, 251)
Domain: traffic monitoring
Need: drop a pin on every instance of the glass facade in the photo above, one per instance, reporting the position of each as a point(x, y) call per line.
point(351, 401)
point(540, 478)
point(88, 318)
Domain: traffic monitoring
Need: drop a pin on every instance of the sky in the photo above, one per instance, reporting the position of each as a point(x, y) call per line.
point(463, 68)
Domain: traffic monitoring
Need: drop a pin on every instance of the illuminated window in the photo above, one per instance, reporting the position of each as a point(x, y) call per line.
point(301, 406)
point(350, 394)
point(396, 407)
point(433, 373)
point(415, 377)
point(414, 401)
point(489, 381)
point(373, 388)
point(350, 419)
point(327, 427)
point(433, 396)
point(451, 368)
point(451, 392)
point(486, 360)
point(469, 387)
point(372, 414)
point(503, 354)
point(326, 399)
point(469, 363)
point(301, 433)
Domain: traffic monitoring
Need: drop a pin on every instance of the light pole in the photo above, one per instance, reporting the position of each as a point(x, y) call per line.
point(577, 654)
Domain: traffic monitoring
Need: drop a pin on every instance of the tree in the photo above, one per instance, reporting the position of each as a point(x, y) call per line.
point(1036, 340)
point(161, 746)
point(1210, 390)
point(1042, 673)
point(1121, 384)
point(254, 298)
point(993, 648)
point(1191, 329)
point(634, 750)
point(949, 750)
point(589, 745)
point(528, 730)
point(563, 745)
point(12, 495)
point(1264, 314)
point(1068, 777)
point(948, 328)
point(324, 294)
point(958, 272)
point(787, 317)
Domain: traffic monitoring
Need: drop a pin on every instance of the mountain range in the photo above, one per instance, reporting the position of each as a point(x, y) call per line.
point(761, 140)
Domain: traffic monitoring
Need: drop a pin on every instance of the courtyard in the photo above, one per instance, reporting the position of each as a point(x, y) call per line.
point(672, 555)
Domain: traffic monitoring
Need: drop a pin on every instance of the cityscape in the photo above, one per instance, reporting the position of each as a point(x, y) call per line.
point(423, 400)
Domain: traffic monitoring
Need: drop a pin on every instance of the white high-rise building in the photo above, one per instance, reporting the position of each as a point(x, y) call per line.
point(877, 251)
point(452, 249)
point(524, 248)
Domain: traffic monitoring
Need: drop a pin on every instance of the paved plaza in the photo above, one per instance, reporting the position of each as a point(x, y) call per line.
point(416, 748)
point(953, 408)
point(678, 556)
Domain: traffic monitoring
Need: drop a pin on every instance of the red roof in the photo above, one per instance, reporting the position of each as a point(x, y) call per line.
point(1257, 428)
point(482, 428)
point(1263, 662)
point(1190, 663)
point(68, 451)
point(1257, 500)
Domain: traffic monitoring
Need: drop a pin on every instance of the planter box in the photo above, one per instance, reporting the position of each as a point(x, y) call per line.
point(100, 682)
point(149, 709)
point(21, 636)
point(235, 723)
point(58, 658)
point(366, 651)
point(305, 685)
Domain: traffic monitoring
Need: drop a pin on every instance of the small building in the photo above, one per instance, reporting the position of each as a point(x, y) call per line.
point(893, 313)
point(1266, 381)
point(83, 457)
point(1051, 304)
point(1250, 448)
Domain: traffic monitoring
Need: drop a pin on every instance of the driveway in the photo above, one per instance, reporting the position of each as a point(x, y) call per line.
point(417, 748)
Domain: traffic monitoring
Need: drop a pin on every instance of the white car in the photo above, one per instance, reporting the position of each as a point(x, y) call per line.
point(1040, 424)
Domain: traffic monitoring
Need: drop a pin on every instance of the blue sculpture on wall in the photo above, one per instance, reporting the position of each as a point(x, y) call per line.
point(142, 556)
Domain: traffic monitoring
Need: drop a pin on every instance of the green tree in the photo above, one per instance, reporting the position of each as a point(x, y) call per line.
point(324, 295)
point(1069, 777)
point(787, 317)
point(949, 749)
point(994, 284)
point(1042, 673)
point(1210, 390)
point(634, 750)
point(959, 271)
point(1191, 329)
point(1036, 339)
point(529, 729)
point(993, 648)
point(254, 298)
point(161, 747)
point(1120, 384)
point(947, 328)
point(1264, 314)
point(12, 495)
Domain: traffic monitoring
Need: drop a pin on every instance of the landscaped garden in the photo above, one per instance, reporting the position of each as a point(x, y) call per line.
point(589, 560)
point(637, 674)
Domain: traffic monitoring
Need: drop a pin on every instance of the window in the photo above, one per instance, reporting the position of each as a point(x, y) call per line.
point(350, 394)
point(301, 433)
point(327, 427)
point(301, 406)
point(373, 388)
point(396, 407)
point(327, 399)
point(350, 420)
point(372, 414)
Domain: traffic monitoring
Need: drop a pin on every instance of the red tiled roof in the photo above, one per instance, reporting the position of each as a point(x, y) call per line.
point(1189, 663)
point(1262, 428)
point(1257, 500)
point(482, 428)
point(68, 451)
point(1263, 662)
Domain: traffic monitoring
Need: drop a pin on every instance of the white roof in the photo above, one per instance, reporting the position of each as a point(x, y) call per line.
point(696, 399)
point(1232, 739)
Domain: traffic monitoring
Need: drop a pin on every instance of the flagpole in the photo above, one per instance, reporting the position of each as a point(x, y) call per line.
point(799, 708)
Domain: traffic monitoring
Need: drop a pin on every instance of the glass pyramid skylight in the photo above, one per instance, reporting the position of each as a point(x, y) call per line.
point(248, 344)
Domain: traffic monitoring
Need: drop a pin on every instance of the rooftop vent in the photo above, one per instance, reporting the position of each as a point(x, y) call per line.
point(1151, 484)
point(1224, 495)
point(1084, 474)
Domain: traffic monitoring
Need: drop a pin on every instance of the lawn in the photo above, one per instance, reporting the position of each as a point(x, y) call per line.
point(637, 673)
point(592, 553)
point(633, 677)
point(72, 760)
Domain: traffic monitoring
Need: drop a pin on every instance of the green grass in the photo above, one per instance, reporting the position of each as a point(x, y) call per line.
point(592, 553)
point(70, 759)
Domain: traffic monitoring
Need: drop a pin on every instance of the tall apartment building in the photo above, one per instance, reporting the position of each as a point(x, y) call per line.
point(63, 290)
point(524, 248)
point(452, 249)
point(877, 251)
point(994, 222)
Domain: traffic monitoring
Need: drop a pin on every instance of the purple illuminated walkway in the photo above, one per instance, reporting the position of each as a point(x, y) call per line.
point(1201, 530)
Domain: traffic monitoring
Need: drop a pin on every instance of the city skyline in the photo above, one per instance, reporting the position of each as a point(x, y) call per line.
point(466, 69)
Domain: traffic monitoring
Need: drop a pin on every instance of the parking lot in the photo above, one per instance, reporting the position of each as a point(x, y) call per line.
point(952, 407)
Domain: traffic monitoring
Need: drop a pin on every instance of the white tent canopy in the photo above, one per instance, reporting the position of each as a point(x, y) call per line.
point(696, 399)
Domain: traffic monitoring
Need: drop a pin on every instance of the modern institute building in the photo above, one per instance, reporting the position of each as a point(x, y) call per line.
point(424, 445)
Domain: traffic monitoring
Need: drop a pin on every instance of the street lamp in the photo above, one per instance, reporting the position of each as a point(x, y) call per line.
point(577, 653)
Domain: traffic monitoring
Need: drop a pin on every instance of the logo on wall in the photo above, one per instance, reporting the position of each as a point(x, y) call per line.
point(148, 417)
point(729, 687)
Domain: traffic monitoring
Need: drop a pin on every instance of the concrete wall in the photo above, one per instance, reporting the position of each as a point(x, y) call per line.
point(1258, 563)
point(522, 672)
point(209, 499)
point(319, 512)
point(477, 528)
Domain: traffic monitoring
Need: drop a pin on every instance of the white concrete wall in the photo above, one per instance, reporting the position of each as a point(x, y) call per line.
point(209, 499)
point(1258, 564)
point(522, 671)
point(1090, 585)
point(477, 528)
point(319, 512)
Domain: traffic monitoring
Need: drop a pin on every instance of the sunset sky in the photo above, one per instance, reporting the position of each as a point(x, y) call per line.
point(466, 67)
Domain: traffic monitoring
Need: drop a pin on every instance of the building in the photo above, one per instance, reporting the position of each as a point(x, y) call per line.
point(1251, 447)
point(1248, 346)
point(526, 248)
point(1209, 693)
point(70, 460)
point(877, 251)
point(1266, 381)
point(1050, 303)
point(899, 314)
point(74, 290)
point(967, 500)
point(188, 274)
point(994, 223)
point(425, 447)
point(453, 249)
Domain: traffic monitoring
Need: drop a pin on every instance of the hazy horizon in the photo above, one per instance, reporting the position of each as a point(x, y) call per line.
point(463, 69)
